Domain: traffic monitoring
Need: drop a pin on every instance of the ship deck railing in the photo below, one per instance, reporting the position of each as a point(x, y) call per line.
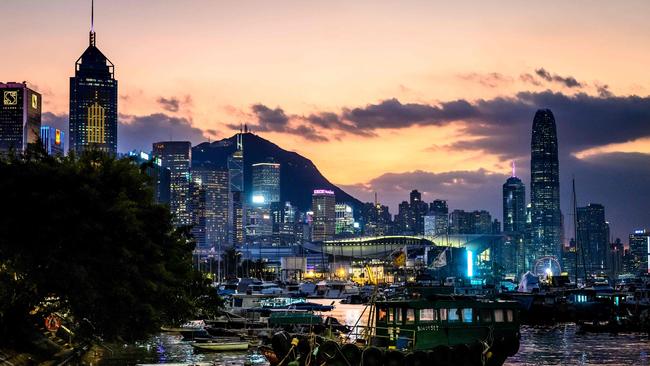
point(366, 333)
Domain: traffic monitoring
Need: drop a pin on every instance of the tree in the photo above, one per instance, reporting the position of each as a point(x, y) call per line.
point(83, 236)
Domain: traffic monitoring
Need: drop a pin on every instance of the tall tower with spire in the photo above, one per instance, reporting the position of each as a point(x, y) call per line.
point(546, 222)
point(236, 183)
point(514, 223)
point(93, 99)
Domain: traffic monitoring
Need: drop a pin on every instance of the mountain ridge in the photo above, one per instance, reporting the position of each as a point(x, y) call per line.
point(299, 176)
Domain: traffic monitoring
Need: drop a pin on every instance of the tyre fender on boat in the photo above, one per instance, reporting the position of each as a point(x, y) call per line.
point(393, 358)
point(281, 344)
point(460, 355)
point(328, 350)
point(440, 355)
point(351, 353)
point(372, 356)
point(417, 358)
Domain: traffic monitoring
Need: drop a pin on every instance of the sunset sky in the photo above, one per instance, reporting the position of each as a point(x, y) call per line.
point(382, 96)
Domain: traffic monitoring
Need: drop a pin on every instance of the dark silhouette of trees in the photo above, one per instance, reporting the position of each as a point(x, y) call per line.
point(83, 237)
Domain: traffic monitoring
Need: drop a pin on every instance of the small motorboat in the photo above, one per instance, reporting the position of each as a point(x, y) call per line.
point(221, 346)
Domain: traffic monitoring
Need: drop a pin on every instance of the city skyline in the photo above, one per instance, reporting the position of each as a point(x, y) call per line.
point(451, 135)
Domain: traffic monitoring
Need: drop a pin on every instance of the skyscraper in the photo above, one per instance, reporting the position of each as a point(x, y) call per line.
point(53, 140)
point(546, 235)
point(266, 182)
point(344, 219)
point(637, 257)
point(418, 209)
point(236, 184)
point(593, 237)
point(514, 206)
point(514, 223)
point(177, 156)
point(211, 195)
point(93, 101)
point(20, 117)
point(323, 207)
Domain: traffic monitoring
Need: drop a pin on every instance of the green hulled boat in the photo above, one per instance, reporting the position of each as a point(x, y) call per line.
point(436, 329)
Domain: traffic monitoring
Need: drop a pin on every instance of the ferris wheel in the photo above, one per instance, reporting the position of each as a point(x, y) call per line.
point(548, 265)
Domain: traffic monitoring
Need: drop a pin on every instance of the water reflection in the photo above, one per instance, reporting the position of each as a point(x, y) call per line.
point(559, 345)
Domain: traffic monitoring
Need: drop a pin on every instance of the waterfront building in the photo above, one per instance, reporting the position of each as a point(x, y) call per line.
point(593, 237)
point(93, 101)
point(639, 251)
point(546, 237)
point(324, 215)
point(236, 186)
point(266, 183)
point(344, 224)
point(20, 117)
point(177, 157)
point(53, 140)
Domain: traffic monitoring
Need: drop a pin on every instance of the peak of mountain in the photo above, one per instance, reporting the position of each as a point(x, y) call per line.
point(298, 175)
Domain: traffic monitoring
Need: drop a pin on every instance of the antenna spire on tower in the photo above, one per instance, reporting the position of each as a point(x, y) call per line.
point(92, 23)
point(513, 169)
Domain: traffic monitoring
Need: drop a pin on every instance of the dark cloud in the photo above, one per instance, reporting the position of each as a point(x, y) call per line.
point(568, 81)
point(489, 80)
point(276, 120)
point(171, 105)
point(530, 79)
point(603, 91)
point(139, 132)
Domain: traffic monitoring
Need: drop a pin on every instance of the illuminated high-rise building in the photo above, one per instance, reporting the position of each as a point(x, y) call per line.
point(323, 207)
point(593, 237)
point(177, 157)
point(236, 187)
point(514, 206)
point(93, 101)
point(266, 183)
point(344, 224)
point(546, 225)
point(637, 259)
point(20, 117)
point(53, 140)
point(210, 205)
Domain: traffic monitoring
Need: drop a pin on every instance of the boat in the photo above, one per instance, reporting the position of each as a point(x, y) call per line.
point(421, 330)
point(336, 289)
point(221, 346)
point(190, 330)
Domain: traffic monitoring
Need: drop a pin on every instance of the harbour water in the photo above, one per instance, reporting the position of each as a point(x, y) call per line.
point(558, 345)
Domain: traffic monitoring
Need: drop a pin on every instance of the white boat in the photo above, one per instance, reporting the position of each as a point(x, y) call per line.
point(336, 289)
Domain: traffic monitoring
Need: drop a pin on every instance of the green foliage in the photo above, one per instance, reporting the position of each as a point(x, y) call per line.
point(86, 232)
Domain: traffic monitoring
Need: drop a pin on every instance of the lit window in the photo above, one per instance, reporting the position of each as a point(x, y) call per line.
point(410, 316)
point(510, 316)
point(398, 315)
point(453, 315)
point(427, 315)
point(498, 316)
point(467, 315)
point(382, 315)
point(486, 315)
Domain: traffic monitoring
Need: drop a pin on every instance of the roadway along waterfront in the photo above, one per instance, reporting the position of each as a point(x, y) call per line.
point(558, 345)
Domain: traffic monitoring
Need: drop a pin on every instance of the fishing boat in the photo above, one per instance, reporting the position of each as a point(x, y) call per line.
point(434, 329)
point(221, 346)
point(190, 330)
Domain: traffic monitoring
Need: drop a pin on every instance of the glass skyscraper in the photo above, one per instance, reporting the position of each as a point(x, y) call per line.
point(593, 237)
point(20, 117)
point(266, 183)
point(177, 157)
point(323, 205)
point(236, 184)
point(546, 223)
point(93, 102)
